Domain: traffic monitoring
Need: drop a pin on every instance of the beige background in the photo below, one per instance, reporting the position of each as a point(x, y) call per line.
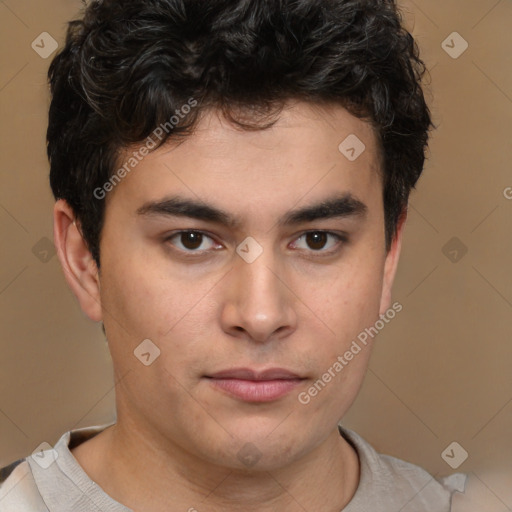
point(441, 371)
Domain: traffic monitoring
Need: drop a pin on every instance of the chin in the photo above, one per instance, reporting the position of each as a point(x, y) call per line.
point(265, 449)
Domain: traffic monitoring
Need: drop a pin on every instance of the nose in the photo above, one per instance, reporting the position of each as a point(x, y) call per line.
point(259, 303)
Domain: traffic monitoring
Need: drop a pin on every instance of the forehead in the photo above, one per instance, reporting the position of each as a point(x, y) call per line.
point(309, 152)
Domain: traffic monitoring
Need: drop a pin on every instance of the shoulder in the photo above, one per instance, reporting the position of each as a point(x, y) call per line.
point(389, 482)
point(18, 489)
point(6, 471)
point(53, 480)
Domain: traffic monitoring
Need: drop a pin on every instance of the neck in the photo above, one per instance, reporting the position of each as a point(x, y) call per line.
point(324, 479)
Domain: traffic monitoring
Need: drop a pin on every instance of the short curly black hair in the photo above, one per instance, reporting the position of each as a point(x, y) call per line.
point(128, 66)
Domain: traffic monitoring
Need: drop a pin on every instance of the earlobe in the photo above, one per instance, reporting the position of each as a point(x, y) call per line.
point(391, 264)
point(79, 267)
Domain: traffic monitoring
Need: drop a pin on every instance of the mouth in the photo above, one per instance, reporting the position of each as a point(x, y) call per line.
point(255, 386)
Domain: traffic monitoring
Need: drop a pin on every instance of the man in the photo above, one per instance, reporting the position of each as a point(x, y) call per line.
point(232, 180)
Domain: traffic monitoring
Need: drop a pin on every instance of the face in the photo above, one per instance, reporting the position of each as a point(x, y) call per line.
point(218, 252)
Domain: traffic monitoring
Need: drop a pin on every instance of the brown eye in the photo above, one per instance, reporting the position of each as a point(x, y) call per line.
point(316, 239)
point(322, 242)
point(191, 239)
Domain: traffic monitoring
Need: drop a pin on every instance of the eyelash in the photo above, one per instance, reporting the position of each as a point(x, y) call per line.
point(341, 239)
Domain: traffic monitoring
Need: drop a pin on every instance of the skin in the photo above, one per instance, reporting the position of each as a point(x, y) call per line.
point(291, 308)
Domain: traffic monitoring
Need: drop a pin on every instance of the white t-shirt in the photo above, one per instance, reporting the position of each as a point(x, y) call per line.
point(53, 481)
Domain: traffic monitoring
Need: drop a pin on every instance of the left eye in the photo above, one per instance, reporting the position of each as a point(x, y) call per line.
point(318, 240)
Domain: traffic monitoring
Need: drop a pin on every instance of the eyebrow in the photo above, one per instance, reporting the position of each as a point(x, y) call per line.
point(340, 206)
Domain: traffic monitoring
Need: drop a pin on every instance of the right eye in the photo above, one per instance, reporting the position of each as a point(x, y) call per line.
point(189, 241)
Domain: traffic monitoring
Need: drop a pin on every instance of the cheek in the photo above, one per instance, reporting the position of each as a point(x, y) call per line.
point(146, 300)
point(347, 300)
point(347, 304)
point(140, 302)
point(142, 305)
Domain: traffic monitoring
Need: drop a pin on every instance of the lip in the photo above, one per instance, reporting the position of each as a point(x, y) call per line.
point(249, 374)
point(255, 386)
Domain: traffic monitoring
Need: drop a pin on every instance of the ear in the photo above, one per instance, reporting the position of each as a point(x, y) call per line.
point(391, 263)
point(79, 267)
